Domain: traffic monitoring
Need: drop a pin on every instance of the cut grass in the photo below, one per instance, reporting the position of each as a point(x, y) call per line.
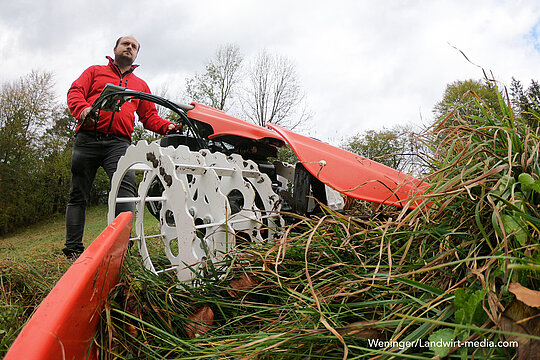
point(332, 284)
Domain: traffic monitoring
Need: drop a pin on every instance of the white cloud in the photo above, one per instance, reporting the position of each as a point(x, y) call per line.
point(363, 64)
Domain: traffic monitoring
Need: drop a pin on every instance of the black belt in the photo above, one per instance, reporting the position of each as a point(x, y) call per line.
point(103, 136)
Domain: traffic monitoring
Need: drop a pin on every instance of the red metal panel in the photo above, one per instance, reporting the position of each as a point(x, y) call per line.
point(352, 174)
point(65, 323)
point(224, 124)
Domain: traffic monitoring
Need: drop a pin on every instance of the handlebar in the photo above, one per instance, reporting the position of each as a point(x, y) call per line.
point(112, 97)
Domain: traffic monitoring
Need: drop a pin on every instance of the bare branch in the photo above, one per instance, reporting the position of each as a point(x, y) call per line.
point(215, 87)
point(273, 93)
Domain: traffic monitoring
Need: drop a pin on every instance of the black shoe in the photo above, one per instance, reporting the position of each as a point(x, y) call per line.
point(72, 254)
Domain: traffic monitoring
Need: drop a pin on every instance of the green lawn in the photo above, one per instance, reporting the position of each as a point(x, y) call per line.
point(31, 262)
point(46, 238)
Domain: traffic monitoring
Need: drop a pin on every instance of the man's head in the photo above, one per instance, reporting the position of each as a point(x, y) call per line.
point(126, 50)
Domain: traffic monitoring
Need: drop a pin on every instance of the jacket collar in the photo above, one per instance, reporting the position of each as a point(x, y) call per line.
point(114, 66)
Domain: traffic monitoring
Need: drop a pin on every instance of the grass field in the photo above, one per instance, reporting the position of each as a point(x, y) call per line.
point(31, 262)
point(46, 238)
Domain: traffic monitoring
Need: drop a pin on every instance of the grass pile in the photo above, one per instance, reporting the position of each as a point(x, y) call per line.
point(463, 266)
point(23, 285)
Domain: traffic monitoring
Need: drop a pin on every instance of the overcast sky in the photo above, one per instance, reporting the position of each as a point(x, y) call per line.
point(362, 64)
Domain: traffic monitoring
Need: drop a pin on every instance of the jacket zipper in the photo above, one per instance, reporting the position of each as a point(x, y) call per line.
point(120, 84)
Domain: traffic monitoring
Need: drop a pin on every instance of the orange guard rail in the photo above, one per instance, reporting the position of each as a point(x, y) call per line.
point(65, 323)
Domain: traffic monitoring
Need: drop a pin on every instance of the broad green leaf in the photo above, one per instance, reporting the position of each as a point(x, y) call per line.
point(460, 298)
point(460, 316)
point(512, 226)
point(528, 183)
point(441, 341)
point(469, 306)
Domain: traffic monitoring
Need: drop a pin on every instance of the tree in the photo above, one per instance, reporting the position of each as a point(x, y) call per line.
point(270, 92)
point(216, 86)
point(54, 149)
point(139, 132)
point(395, 147)
point(60, 136)
point(526, 103)
point(467, 98)
point(27, 108)
point(273, 94)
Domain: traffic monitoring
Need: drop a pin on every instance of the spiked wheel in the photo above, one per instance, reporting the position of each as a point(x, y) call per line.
point(266, 200)
point(191, 195)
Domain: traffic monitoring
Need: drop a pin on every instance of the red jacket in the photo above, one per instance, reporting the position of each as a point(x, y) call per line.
point(86, 89)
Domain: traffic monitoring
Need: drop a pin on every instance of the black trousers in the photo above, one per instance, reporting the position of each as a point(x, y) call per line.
point(91, 151)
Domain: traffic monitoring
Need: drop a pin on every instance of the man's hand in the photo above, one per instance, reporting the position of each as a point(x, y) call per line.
point(174, 129)
point(83, 116)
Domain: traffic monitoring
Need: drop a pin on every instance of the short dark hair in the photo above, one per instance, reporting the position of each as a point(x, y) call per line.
point(121, 37)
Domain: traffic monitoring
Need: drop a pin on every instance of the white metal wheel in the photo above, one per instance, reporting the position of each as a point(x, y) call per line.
point(190, 194)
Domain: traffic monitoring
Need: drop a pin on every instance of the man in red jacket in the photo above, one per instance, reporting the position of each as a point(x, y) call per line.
point(103, 142)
